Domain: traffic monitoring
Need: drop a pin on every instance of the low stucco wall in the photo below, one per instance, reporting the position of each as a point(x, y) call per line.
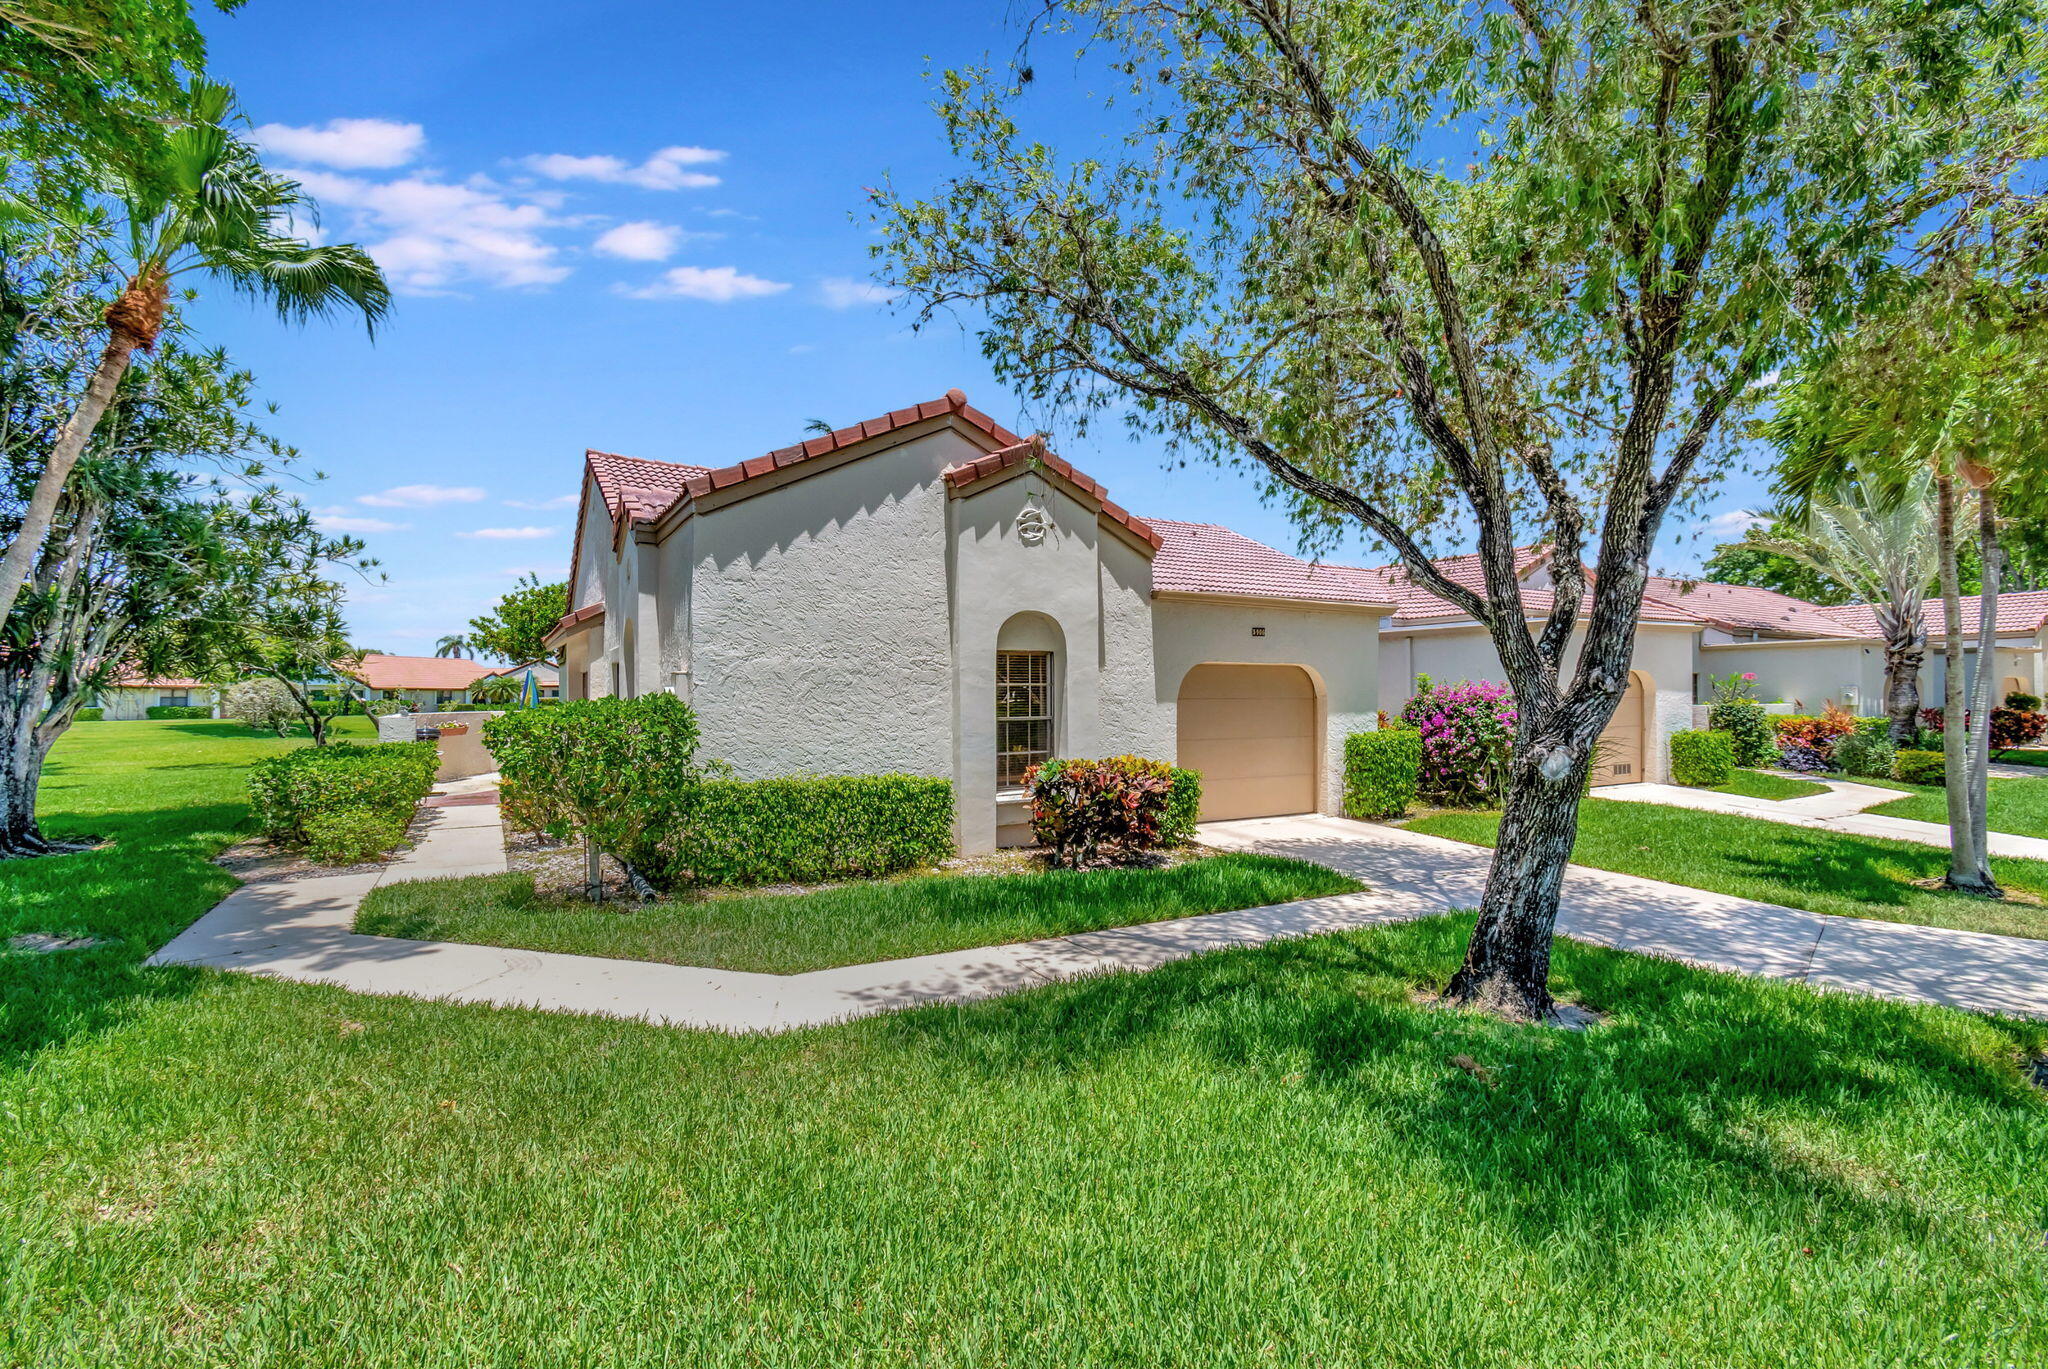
point(462, 754)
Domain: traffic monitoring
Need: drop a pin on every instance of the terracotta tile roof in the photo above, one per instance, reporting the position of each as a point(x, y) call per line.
point(543, 671)
point(573, 619)
point(1745, 608)
point(378, 671)
point(632, 485)
point(1205, 558)
point(1414, 604)
point(2022, 612)
point(953, 402)
point(127, 681)
point(1033, 448)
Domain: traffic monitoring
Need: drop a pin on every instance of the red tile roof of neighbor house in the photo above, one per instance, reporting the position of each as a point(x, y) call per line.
point(1204, 558)
point(1745, 608)
point(379, 671)
point(1416, 604)
point(125, 681)
point(2022, 612)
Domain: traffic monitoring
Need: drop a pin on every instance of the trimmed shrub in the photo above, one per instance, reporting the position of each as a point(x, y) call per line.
point(623, 772)
point(1183, 808)
point(1702, 759)
point(2023, 703)
point(1866, 753)
point(810, 829)
point(262, 706)
point(1748, 728)
point(1381, 771)
point(89, 715)
point(349, 835)
point(1079, 808)
point(159, 712)
point(387, 780)
point(1468, 735)
point(1920, 767)
point(2010, 727)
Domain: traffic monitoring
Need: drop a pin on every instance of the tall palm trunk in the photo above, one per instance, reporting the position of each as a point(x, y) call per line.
point(1966, 869)
point(133, 322)
point(1905, 652)
point(1982, 697)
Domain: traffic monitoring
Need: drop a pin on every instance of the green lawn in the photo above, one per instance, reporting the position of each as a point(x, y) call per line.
point(1799, 867)
point(1265, 1157)
point(1761, 784)
point(2019, 807)
point(847, 925)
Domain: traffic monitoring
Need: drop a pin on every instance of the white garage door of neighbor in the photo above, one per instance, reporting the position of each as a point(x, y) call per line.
point(1618, 758)
point(1250, 731)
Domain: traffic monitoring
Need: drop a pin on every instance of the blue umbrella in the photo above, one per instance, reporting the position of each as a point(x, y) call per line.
point(529, 693)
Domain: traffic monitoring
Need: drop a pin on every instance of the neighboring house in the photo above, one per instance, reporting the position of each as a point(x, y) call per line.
point(547, 677)
point(929, 592)
point(129, 698)
point(428, 682)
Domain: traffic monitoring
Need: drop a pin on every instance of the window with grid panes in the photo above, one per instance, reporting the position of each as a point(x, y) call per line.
point(1023, 713)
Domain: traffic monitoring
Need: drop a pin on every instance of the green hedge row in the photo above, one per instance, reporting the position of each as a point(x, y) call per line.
point(162, 711)
point(341, 798)
point(1749, 727)
point(1703, 760)
point(1381, 771)
point(625, 774)
point(90, 715)
point(1183, 808)
point(810, 829)
point(1920, 767)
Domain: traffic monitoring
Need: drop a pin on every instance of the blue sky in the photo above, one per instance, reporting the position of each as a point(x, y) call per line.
point(624, 226)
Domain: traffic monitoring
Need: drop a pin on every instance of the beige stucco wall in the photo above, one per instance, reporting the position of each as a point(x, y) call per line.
point(133, 705)
point(1664, 654)
point(819, 632)
point(1806, 675)
point(1340, 649)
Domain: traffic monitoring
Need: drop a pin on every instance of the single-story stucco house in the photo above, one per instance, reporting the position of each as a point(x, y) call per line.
point(129, 698)
point(930, 592)
point(426, 682)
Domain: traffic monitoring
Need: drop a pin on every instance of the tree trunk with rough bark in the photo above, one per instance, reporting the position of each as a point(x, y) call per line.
point(1507, 963)
point(1903, 660)
point(133, 321)
point(21, 770)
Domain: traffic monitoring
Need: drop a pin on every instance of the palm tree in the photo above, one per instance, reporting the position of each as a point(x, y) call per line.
point(454, 644)
point(1880, 547)
point(209, 207)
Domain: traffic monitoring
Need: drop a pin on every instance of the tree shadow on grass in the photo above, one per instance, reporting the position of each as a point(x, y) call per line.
point(1701, 1089)
point(151, 880)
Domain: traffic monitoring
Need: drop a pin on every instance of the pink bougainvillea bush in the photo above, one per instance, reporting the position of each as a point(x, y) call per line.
point(1468, 733)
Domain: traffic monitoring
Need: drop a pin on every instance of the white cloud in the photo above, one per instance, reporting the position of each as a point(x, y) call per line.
point(341, 520)
point(641, 240)
point(802, 347)
point(719, 284)
point(508, 534)
point(560, 501)
point(844, 292)
point(430, 235)
point(1732, 524)
point(665, 170)
point(351, 144)
point(422, 496)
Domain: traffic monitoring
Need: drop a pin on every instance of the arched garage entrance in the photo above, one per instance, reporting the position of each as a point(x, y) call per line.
point(1251, 732)
point(1618, 757)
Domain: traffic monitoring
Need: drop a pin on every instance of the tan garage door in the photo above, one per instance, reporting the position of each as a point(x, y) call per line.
point(1619, 758)
point(1250, 730)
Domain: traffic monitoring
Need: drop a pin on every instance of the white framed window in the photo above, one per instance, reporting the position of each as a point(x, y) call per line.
point(1023, 713)
point(178, 700)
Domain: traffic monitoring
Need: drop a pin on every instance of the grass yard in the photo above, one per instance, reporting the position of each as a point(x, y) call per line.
point(1263, 1157)
point(1798, 867)
point(1761, 784)
point(2019, 807)
point(846, 925)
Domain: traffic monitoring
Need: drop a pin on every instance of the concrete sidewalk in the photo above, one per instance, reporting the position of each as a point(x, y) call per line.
point(303, 930)
point(1841, 809)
